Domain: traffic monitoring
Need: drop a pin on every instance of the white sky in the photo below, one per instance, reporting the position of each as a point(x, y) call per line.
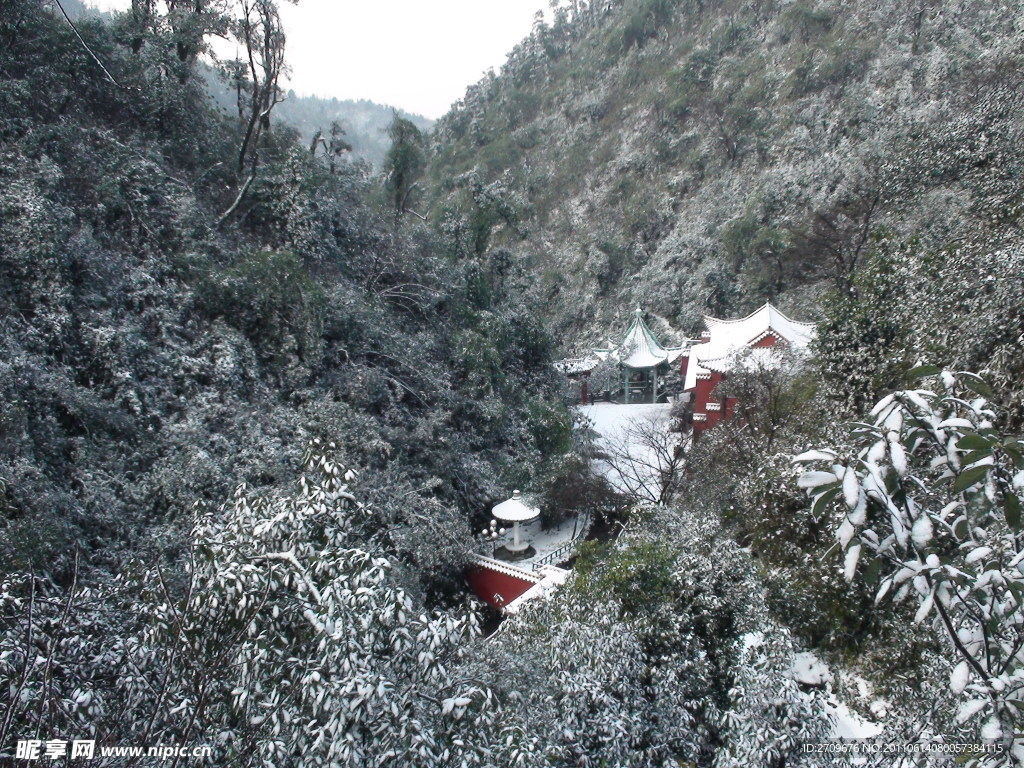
point(419, 55)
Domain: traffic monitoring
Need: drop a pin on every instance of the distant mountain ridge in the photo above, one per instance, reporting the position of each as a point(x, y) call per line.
point(365, 122)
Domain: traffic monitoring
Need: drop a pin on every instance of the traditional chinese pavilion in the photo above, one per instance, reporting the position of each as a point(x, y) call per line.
point(643, 360)
point(713, 356)
point(515, 572)
point(703, 362)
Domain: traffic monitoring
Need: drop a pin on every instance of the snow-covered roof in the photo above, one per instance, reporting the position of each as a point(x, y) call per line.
point(514, 510)
point(574, 366)
point(753, 359)
point(758, 324)
point(727, 337)
point(641, 349)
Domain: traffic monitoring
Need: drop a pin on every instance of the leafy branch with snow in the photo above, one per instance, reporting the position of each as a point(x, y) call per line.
point(929, 507)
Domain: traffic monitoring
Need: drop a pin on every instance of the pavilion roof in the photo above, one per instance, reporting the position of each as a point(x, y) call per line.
point(515, 510)
point(641, 349)
point(574, 366)
point(728, 337)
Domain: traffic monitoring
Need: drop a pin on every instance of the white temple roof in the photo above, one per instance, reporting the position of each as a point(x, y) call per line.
point(574, 366)
point(730, 336)
point(514, 510)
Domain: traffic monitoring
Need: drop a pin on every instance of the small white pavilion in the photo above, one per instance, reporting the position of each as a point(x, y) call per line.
point(515, 511)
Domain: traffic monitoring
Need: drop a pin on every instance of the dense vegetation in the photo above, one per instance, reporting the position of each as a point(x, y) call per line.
point(176, 321)
point(856, 164)
point(693, 156)
point(255, 399)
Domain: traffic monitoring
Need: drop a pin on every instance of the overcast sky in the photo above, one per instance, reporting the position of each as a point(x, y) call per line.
point(415, 54)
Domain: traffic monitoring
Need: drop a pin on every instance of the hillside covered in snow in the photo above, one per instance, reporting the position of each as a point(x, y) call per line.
point(260, 406)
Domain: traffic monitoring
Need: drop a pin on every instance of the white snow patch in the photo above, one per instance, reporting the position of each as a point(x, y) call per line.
point(960, 677)
point(991, 730)
point(849, 725)
point(618, 429)
point(612, 421)
point(808, 669)
point(752, 640)
point(921, 533)
point(850, 567)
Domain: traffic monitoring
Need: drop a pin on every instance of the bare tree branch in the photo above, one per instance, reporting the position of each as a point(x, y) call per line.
point(89, 50)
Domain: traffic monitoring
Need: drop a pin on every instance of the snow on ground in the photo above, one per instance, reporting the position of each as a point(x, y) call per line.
point(611, 421)
point(628, 430)
point(849, 725)
point(808, 669)
point(752, 640)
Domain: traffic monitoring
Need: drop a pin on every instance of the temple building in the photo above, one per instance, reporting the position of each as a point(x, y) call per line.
point(719, 350)
point(644, 364)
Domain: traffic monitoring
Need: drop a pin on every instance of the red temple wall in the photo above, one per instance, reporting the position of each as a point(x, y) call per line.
point(702, 392)
point(486, 584)
point(728, 407)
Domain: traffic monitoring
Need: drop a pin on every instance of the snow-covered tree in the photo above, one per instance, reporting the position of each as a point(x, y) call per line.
point(288, 640)
point(930, 509)
point(645, 457)
point(770, 719)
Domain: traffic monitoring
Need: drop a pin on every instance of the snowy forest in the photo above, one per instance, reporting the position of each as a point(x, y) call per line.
point(259, 397)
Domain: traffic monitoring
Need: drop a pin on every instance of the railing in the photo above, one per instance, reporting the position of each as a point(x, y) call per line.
point(552, 557)
point(556, 556)
point(509, 569)
point(485, 550)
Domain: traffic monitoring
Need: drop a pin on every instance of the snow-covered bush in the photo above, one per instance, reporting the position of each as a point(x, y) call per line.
point(288, 639)
point(770, 719)
point(930, 504)
point(659, 652)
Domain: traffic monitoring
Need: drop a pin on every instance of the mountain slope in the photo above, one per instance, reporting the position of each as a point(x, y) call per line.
point(157, 352)
point(689, 157)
